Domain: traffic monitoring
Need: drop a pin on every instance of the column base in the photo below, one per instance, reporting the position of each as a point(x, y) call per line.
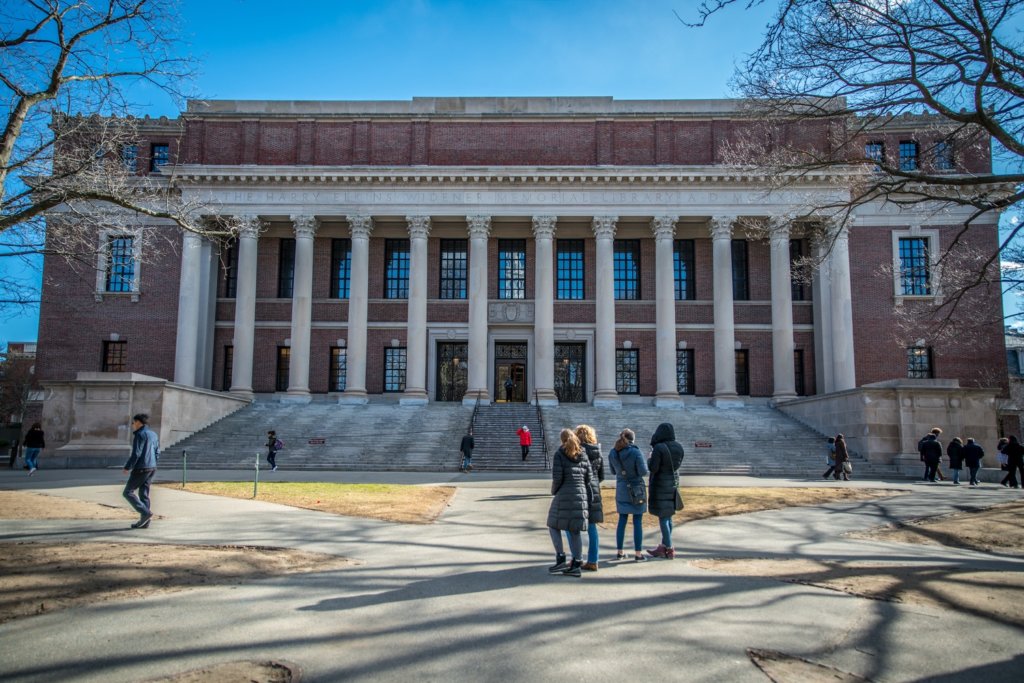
point(607, 399)
point(414, 397)
point(243, 393)
point(471, 397)
point(295, 397)
point(782, 398)
point(356, 397)
point(727, 401)
point(547, 398)
point(673, 401)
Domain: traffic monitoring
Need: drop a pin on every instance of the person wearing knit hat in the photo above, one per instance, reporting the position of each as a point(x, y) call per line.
point(525, 440)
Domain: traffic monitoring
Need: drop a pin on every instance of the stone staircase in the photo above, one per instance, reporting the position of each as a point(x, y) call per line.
point(497, 443)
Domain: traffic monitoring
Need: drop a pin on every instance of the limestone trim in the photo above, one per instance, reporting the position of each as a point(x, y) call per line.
point(419, 226)
point(544, 226)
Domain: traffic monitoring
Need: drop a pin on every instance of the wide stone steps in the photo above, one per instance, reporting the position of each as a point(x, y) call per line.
point(495, 433)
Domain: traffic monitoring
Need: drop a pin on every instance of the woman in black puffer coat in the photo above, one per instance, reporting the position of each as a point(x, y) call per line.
point(666, 458)
point(588, 439)
point(570, 486)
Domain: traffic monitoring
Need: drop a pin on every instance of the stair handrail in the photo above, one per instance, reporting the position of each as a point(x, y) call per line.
point(543, 431)
point(476, 409)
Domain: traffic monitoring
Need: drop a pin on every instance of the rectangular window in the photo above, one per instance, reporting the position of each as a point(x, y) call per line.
point(915, 269)
point(875, 151)
point(160, 155)
point(1013, 362)
point(626, 266)
point(627, 371)
point(569, 270)
point(284, 362)
point(454, 269)
point(229, 264)
point(742, 373)
point(798, 372)
point(120, 263)
point(286, 269)
point(396, 269)
point(130, 158)
point(229, 367)
point(684, 371)
point(115, 356)
point(682, 257)
point(394, 369)
point(341, 267)
point(796, 257)
point(740, 285)
point(339, 369)
point(919, 362)
point(511, 269)
point(944, 156)
point(908, 155)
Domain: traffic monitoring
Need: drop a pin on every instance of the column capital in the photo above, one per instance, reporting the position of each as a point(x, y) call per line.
point(779, 233)
point(249, 225)
point(544, 226)
point(419, 226)
point(604, 226)
point(721, 227)
point(479, 226)
point(664, 227)
point(305, 226)
point(360, 225)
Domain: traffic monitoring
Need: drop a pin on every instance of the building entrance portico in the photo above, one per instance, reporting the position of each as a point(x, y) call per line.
point(510, 363)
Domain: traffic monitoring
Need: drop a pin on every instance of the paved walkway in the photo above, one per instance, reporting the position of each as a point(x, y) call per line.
point(468, 598)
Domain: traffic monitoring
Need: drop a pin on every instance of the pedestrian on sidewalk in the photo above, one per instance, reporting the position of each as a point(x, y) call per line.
point(274, 444)
point(973, 455)
point(664, 463)
point(140, 468)
point(466, 448)
point(955, 452)
point(588, 439)
point(629, 468)
point(1001, 457)
point(525, 440)
point(1015, 461)
point(570, 486)
point(843, 459)
point(931, 452)
point(830, 459)
point(35, 442)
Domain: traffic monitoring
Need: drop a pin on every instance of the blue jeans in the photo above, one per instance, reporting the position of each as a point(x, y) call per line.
point(467, 461)
point(32, 457)
point(592, 543)
point(638, 532)
point(575, 542)
point(956, 474)
point(974, 474)
point(139, 480)
point(666, 531)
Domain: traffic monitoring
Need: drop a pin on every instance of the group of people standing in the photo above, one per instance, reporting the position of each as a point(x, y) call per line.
point(576, 474)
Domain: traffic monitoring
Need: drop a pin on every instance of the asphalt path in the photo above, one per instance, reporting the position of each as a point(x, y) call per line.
point(468, 598)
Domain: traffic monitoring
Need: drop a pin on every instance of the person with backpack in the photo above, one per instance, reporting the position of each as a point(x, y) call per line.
point(274, 444)
point(629, 468)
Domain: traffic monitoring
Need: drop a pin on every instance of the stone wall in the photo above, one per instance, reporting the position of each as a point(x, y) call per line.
point(87, 421)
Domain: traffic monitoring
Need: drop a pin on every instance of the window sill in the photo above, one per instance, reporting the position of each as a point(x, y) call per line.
point(100, 295)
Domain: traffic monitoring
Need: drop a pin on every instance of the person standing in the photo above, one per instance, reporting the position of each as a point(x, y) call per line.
point(509, 386)
point(664, 463)
point(830, 459)
point(525, 440)
point(931, 453)
point(955, 451)
point(570, 486)
point(629, 468)
point(35, 442)
point(140, 468)
point(973, 455)
point(466, 448)
point(1001, 457)
point(1015, 461)
point(588, 439)
point(273, 446)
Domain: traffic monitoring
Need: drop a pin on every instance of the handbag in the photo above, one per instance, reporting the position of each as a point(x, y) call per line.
point(847, 467)
point(679, 501)
point(637, 493)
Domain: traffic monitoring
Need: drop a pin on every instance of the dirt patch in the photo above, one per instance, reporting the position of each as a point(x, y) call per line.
point(996, 529)
point(387, 502)
point(996, 595)
point(29, 505)
point(237, 672)
point(43, 577)
point(704, 502)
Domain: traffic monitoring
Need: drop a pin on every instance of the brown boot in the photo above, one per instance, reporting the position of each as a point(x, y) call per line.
point(590, 567)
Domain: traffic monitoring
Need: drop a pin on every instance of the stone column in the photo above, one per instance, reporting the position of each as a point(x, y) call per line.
point(725, 328)
point(302, 309)
point(358, 295)
point(664, 229)
point(245, 307)
point(843, 370)
point(416, 339)
point(187, 343)
point(479, 229)
point(544, 312)
point(605, 394)
point(782, 316)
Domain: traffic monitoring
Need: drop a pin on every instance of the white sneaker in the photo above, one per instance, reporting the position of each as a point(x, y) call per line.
point(31, 471)
point(274, 468)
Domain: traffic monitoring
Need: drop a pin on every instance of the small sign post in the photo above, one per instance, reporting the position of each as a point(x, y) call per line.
point(256, 479)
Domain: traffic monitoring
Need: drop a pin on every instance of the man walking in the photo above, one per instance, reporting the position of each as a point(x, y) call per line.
point(140, 468)
point(466, 447)
point(931, 452)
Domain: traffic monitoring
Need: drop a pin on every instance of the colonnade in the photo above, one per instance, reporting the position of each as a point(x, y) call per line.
point(544, 229)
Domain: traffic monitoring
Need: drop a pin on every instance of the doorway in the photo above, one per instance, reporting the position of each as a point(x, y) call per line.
point(452, 371)
point(510, 372)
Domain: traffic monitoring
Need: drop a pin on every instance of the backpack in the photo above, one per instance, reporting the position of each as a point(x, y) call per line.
point(278, 444)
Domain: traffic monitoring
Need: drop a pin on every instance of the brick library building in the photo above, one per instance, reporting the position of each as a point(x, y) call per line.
point(550, 251)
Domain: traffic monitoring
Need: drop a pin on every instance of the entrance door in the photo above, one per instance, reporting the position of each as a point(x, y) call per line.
point(452, 371)
point(571, 373)
point(510, 372)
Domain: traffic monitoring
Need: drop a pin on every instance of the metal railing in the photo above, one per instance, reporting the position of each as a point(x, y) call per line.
point(543, 431)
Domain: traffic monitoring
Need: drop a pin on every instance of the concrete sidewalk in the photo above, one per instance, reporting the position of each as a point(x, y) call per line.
point(468, 598)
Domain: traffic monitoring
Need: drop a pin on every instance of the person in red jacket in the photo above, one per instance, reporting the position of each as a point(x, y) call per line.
point(525, 440)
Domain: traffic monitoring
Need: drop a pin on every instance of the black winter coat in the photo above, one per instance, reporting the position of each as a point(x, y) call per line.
point(973, 454)
point(597, 470)
point(467, 445)
point(931, 451)
point(34, 438)
point(955, 451)
point(570, 486)
point(664, 464)
point(1014, 454)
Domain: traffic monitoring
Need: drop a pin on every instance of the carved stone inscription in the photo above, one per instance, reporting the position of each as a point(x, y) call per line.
point(510, 312)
